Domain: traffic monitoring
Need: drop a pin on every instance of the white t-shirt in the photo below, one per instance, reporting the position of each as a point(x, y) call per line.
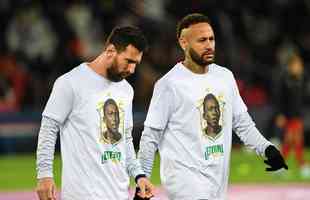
point(94, 164)
point(196, 143)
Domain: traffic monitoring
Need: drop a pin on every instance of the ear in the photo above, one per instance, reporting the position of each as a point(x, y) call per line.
point(183, 43)
point(110, 48)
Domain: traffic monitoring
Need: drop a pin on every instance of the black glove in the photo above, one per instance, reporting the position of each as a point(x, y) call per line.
point(137, 197)
point(274, 159)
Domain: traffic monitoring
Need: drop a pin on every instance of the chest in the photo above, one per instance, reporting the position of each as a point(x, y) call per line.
point(97, 104)
point(215, 92)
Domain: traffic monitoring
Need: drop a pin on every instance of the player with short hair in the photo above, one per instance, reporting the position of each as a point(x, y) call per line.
point(195, 165)
point(93, 99)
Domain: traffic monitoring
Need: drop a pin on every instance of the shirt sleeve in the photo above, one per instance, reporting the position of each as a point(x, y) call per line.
point(160, 107)
point(46, 147)
point(133, 166)
point(244, 126)
point(246, 130)
point(238, 106)
point(148, 146)
point(60, 102)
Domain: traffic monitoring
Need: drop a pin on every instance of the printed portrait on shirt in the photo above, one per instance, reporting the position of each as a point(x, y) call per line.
point(211, 109)
point(111, 121)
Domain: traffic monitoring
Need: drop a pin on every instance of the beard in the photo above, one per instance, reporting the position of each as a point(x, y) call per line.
point(198, 59)
point(113, 74)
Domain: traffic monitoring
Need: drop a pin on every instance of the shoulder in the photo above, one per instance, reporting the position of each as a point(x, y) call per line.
point(221, 70)
point(69, 80)
point(169, 78)
point(126, 86)
point(74, 73)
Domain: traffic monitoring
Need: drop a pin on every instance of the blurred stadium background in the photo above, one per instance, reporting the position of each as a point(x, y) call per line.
point(41, 40)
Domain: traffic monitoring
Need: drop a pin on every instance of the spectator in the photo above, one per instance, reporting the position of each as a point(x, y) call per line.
point(291, 92)
point(13, 84)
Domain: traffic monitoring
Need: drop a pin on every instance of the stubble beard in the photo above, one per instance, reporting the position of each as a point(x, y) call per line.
point(113, 74)
point(199, 60)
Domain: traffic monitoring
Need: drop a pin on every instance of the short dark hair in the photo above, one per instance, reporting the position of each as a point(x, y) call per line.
point(108, 102)
point(191, 19)
point(121, 37)
point(208, 97)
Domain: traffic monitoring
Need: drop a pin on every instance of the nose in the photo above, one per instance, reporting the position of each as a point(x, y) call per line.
point(131, 68)
point(113, 117)
point(209, 45)
point(213, 112)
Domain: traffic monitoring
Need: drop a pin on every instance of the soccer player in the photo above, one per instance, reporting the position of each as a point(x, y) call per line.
point(91, 99)
point(195, 165)
point(291, 94)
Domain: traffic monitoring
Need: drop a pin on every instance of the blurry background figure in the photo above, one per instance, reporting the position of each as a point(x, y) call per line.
point(291, 91)
point(87, 30)
point(13, 84)
point(30, 35)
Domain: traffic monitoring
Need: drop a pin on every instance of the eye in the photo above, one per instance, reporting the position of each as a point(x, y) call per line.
point(130, 61)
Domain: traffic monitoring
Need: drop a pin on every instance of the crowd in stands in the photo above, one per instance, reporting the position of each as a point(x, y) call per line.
point(39, 40)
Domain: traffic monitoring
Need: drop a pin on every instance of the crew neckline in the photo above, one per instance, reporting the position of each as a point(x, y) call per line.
point(188, 71)
point(95, 74)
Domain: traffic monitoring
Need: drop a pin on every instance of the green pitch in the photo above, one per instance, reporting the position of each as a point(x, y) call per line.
point(17, 172)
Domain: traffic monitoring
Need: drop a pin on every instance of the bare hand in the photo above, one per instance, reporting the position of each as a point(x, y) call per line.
point(146, 188)
point(46, 189)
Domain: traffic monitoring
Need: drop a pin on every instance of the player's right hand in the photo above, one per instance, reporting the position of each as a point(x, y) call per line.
point(46, 189)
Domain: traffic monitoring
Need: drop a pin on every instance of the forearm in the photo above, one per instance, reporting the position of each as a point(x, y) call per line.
point(245, 128)
point(133, 166)
point(46, 147)
point(148, 145)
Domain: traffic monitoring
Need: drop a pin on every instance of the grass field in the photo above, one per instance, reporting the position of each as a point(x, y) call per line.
point(17, 172)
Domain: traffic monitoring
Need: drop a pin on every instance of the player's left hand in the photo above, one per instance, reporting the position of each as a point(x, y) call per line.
point(274, 159)
point(144, 189)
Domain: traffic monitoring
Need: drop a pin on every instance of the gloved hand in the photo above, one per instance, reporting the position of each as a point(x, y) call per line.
point(274, 159)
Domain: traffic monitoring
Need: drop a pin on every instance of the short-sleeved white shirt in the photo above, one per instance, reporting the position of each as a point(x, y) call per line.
point(93, 167)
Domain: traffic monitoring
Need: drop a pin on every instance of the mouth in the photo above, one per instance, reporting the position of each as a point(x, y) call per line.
point(214, 120)
point(208, 55)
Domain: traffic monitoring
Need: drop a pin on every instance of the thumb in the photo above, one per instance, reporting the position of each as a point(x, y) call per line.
point(142, 190)
point(54, 192)
point(270, 169)
point(50, 192)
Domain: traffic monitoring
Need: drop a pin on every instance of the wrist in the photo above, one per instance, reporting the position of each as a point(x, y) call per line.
point(44, 174)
